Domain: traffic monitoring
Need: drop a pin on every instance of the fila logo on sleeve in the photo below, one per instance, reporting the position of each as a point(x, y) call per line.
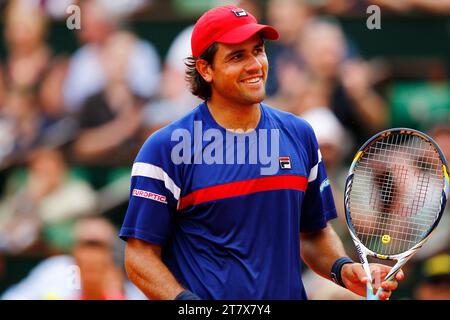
point(149, 195)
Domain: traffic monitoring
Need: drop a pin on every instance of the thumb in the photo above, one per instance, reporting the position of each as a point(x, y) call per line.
point(359, 275)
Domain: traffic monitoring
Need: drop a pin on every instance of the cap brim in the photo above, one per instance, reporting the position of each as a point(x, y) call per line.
point(245, 32)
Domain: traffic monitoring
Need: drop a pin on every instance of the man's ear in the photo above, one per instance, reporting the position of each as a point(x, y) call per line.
point(205, 70)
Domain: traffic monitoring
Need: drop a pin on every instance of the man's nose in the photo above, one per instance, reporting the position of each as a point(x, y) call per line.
point(253, 64)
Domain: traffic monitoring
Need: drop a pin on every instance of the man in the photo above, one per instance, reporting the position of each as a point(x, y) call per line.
point(89, 272)
point(200, 226)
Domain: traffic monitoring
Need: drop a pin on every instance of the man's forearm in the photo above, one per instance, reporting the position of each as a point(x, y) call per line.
point(319, 250)
point(146, 270)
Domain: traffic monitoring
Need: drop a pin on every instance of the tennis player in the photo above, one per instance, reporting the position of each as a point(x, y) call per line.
point(227, 201)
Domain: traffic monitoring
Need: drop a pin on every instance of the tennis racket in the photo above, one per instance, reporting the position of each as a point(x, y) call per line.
point(395, 193)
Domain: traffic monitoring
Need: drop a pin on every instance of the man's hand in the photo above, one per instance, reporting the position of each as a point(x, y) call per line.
point(355, 278)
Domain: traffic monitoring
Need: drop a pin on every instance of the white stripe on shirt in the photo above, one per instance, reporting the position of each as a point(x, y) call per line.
point(315, 169)
point(155, 172)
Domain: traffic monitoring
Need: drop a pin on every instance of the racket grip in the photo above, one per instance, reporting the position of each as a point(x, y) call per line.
point(369, 293)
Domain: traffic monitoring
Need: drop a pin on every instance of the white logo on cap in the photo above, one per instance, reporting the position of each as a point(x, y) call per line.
point(240, 13)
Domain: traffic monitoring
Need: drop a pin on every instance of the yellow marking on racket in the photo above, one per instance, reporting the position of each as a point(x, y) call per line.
point(386, 238)
point(445, 172)
point(357, 156)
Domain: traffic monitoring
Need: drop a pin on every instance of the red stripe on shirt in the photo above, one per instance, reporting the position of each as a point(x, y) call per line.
point(241, 188)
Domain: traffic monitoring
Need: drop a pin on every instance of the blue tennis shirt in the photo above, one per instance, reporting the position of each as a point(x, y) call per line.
point(227, 229)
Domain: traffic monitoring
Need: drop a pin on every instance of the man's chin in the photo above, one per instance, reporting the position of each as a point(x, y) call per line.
point(252, 102)
point(257, 98)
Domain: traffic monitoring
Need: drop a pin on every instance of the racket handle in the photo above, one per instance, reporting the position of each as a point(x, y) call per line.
point(371, 296)
point(369, 292)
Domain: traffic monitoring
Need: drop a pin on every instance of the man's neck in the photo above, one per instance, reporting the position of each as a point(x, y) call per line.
point(233, 117)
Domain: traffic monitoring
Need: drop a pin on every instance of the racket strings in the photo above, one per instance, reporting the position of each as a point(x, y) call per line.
point(395, 194)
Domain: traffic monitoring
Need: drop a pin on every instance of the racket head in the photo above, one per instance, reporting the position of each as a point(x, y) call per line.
point(396, 191)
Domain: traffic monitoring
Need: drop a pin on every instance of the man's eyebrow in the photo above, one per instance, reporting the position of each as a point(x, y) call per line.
point(259, 45)
point(234, 52)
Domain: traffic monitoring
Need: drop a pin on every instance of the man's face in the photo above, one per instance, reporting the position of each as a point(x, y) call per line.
point(239, 72)
point(92, 260)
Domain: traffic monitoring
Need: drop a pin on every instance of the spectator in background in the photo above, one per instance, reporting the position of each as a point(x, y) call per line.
point(289, 17)
point(29, 63)
point(334, 146)
point(441, 135)
point(111, 129)
point(30, 118)
point(86, 75)
point(21, 125)
point(435, 279)
point(59, 127)
point(27, 56)
point(343, 85)
point(43, 205)
point(174, 98)
point(440, 240)
point(50, 92)
point(91, 272)
point(331, 136)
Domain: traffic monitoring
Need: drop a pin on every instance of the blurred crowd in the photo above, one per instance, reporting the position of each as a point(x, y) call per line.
point(71, 124)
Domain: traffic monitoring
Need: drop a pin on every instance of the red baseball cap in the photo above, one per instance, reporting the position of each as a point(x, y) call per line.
point(227, 24)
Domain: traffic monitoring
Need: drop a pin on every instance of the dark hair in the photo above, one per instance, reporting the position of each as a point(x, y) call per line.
point(199, 87)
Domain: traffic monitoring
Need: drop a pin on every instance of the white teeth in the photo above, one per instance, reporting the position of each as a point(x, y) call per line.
point(252, 80)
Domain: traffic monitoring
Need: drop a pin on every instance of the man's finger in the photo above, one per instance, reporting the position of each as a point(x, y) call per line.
point(359, 273)
point(389, 285)
point(383, 270)
point(377, 272)
point(400, 275)
point(385, 295)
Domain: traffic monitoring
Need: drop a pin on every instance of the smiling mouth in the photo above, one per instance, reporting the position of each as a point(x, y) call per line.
point(253, 80)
